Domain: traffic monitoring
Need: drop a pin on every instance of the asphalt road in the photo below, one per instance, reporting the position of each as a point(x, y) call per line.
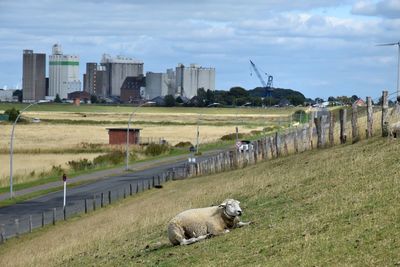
point(76, 196)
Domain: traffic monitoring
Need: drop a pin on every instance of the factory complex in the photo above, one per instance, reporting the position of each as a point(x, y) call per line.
point(115, 79)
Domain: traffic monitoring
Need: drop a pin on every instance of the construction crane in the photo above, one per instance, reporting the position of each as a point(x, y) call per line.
point(267, 85)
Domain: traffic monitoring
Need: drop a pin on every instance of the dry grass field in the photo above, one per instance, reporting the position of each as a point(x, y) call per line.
point(46, 136)
point(28, 166)
point(331, 207)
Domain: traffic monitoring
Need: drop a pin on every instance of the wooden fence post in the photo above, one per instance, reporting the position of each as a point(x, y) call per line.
point(109, 197)
point(311, 130)
point(385, 108)
point(65, 213)
point(102, 200)
point(130, 190)
point(86, 206)
point(324, 118)
point(43, 219)
point(354, 124)
point(317, 122)
point(343, 120)
point(331, 128)
point(2, 234)
point(277, 145)
point(370, 116)
point(54, 216)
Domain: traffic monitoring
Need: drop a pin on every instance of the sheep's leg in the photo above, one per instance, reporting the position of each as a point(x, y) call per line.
point(240, 224)
point(193, 240)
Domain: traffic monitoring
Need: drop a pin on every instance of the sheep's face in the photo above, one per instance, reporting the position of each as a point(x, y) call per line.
point(232, 207)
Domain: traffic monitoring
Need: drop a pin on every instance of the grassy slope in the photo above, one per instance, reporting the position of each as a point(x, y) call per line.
point(337, 206)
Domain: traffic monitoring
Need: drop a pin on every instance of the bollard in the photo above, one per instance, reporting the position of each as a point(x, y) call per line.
point(65, 213)
point(30, 224)
point(17, 228)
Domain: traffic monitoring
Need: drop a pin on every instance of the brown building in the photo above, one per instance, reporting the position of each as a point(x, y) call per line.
point(117, 136)
point(130, 89)
point(77, 96)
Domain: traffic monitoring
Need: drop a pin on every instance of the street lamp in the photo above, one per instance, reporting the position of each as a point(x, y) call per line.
point(127, 135)
point(12, 147)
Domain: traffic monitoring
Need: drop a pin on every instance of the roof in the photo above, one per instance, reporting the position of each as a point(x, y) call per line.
point(124, 129)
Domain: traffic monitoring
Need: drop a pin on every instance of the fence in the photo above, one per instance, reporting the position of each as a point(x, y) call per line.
point(322, 130)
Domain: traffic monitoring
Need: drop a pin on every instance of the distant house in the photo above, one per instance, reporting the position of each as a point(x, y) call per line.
point(284, 103)
point(77, 96)
point(360, 103)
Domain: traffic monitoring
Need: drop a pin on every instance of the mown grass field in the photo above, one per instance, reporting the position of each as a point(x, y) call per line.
point(332, 207)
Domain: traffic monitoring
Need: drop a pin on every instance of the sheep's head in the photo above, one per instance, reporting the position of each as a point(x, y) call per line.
point(231, 207)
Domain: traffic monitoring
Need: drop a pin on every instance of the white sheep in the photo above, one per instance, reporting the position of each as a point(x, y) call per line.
point(193, 225)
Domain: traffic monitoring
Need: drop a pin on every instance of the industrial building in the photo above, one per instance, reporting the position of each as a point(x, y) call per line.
point(117, 69)
point(190, 79)
point(33, 76)
point(94, 81)
point(63, 73)
point(184, 81)
point(160, 84)
point(8, 96)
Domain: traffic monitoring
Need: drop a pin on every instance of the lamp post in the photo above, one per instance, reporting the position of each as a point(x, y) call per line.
point(127, 135)
point(12, 147)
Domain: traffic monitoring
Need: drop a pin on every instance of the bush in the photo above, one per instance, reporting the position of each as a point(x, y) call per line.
point(57, 170)
point(82, 164)
point(115, 157)
point(12, 114)
point(300, 116)
point(156, 149)
point(183, 144)
point(271, 128)
point(232, 136)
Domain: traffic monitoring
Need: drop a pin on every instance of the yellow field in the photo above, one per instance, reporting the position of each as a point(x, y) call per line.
point(154, 117)
point(62, 136)
point(24, 164)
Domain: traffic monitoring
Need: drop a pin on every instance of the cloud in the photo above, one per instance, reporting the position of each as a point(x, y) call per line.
point(382, 8)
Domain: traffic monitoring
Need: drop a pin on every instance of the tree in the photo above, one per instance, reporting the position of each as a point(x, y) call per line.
point(93, 99)
point(12, 114)
point(57, 99)
point(238, 92)
point(18, 93)
point(331, 99)
point(169, 101)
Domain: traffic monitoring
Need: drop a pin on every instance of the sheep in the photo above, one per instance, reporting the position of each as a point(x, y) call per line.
point(194, 225)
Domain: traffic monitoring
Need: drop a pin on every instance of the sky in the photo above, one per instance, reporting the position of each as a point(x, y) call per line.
point(321, 48)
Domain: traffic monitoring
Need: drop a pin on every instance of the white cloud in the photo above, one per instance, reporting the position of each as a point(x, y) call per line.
point(382, 8)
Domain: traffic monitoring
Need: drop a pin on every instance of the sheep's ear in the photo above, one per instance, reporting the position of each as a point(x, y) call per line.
point(223, 204)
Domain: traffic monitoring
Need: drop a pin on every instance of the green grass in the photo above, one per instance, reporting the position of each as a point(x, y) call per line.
point(127, 109)
point(331, 207)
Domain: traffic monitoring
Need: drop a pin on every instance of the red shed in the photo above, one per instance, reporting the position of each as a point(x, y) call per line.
point(117, 136)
